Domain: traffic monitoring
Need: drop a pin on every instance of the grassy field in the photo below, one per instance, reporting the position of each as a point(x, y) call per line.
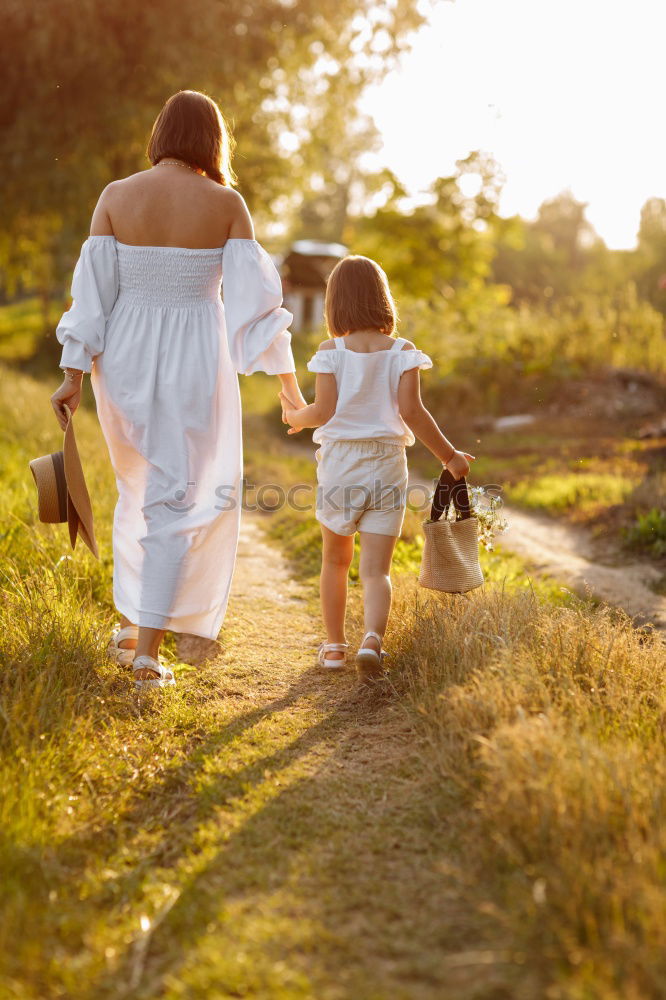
point(489, 825)
point(23, 327)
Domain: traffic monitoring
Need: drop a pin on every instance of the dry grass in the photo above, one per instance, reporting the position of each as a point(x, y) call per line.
point(546, 726)
point(487, 828)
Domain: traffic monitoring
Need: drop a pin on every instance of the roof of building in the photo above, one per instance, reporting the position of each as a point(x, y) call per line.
point(317, 248)
point(308, 263)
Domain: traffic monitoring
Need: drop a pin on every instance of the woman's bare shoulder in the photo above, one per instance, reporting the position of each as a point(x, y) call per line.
point(328, 345)
point(233, 203)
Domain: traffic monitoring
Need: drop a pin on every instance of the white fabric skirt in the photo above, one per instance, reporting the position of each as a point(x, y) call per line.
point(169, 406)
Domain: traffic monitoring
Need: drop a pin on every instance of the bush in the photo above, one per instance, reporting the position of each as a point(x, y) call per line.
point(649, 532)
point(500, 358)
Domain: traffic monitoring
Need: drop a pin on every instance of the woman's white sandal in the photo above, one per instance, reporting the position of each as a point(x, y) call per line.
point(332, 647)
point(121, 654)
point(164, 679)
point(369, 662)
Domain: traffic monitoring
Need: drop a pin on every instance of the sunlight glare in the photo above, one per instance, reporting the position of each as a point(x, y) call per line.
point(565, 95)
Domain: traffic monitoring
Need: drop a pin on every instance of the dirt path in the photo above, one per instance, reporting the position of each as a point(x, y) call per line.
point(567, 553)
point(304, 859)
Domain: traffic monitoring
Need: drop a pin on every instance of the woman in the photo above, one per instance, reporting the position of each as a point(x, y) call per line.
point(163, 351)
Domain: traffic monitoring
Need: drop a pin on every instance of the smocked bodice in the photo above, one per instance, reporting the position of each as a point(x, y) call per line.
point(168, 276)
point(173, 286)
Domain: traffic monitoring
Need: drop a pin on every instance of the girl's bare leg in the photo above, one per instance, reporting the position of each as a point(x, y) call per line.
point(336, 557)
point(375, 573)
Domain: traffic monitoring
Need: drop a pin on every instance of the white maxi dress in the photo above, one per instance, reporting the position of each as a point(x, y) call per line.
point(164, 352)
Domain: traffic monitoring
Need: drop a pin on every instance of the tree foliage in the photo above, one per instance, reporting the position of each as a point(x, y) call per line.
point(650, 266)
point(439, 250)
point(83, 81)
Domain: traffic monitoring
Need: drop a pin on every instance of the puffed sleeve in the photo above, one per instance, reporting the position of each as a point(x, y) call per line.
point(257, 324)
point(413, 359)
point(82, 329)
point(324, 362)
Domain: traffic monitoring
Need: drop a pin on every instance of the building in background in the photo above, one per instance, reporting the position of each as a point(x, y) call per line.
point(304, 271)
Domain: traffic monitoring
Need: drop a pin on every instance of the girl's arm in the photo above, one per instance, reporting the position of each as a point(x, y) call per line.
point(422, 423)
point(317, 413)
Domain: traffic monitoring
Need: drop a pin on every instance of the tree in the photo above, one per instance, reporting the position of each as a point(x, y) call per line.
point(84, 79)
point(550, 258)
point(441, 249)
point(650, 256)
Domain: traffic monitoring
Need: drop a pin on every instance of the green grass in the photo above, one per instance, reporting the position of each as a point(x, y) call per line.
point(583, 491)
point(648, 534)
point(23, 329)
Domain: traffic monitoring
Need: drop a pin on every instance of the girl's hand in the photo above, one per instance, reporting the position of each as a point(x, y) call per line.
point(68, 393)
point(458, 464)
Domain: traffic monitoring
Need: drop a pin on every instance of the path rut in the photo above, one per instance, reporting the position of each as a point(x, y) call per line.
point(567, 553)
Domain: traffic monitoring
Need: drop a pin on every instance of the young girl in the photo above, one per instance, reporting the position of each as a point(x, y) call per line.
point(367, 408)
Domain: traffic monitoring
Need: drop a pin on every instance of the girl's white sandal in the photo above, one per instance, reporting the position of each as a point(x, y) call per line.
point(369, 662)
point(120, 654)
point(164, 679)
point(332, 647)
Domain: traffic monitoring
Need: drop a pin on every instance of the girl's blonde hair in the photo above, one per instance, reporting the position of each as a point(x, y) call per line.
point(358, 297)
point(191, 127)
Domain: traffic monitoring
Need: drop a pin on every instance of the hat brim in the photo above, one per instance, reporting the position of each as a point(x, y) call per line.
point(79, 508)
point(49, 475)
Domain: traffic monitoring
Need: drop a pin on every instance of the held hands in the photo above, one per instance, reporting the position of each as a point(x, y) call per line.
point(68, 393)
point(289, 408)
point(458, 464)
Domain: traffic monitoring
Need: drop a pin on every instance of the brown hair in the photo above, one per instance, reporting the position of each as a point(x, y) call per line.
point(358, 297)
point(191, 127)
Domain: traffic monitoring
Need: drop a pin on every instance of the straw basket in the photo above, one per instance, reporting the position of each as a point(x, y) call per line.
point(450, 561)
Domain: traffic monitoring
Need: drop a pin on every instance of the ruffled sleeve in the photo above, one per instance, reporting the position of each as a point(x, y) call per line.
point(413, 359)
point(324, 362)
point(82, 329)
point(257, 324)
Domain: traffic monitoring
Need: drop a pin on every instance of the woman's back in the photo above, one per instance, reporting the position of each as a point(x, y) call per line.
point(171, 206)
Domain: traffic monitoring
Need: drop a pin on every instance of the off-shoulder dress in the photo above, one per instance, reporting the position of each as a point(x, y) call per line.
point(164, 352)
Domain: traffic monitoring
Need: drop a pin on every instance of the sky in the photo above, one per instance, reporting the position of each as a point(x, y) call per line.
point(566, 95)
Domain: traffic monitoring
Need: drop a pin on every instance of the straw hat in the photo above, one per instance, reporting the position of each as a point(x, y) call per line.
point(61, 490)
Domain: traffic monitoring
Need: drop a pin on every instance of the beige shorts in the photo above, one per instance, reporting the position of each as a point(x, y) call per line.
point(362, 486)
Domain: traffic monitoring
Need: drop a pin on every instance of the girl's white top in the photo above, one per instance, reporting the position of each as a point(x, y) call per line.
point(165, 352)
point(367, 384)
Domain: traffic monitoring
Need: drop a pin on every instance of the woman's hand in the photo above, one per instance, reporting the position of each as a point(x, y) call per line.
point(458, 464)
point(69, 393)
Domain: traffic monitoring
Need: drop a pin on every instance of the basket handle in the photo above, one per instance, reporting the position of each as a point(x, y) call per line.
point(450, 490)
